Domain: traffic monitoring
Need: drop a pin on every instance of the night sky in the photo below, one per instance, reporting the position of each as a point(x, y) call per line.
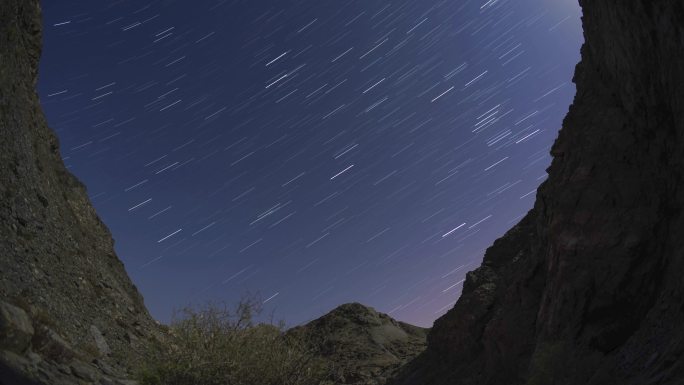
point(311, 152)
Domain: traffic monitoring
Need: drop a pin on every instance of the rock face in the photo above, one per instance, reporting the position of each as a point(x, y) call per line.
point(363, 347)
point(57, 261)
point(587, 288)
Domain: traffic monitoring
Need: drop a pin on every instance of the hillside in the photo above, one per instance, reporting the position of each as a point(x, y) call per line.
point(363, 346)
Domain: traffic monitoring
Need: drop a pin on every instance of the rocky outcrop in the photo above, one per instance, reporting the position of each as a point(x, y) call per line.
point(362, 346)
point(587, 288)
point(65, 295)
point(33, 354)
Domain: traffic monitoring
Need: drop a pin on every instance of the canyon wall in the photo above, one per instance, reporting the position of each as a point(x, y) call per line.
point(588, 288)
point(64, 295)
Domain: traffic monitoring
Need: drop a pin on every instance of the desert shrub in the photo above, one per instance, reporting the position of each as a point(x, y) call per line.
point(220, 345)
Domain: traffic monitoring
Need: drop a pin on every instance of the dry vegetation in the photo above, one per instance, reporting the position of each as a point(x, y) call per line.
point(222, 345)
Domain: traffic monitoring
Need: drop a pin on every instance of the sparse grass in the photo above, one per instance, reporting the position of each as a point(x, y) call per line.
point(219, 345)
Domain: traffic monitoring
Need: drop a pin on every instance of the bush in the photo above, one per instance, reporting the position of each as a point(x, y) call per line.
point(217, 345)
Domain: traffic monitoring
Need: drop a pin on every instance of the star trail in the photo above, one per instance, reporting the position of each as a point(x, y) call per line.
point(313, 152)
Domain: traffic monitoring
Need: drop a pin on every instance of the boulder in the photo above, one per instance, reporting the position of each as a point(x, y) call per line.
point(16, 329)
point(100, 341)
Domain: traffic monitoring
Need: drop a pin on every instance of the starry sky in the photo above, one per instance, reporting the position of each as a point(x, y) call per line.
point(311, 152)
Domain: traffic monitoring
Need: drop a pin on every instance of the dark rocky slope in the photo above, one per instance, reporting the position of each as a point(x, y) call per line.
point(362, 346)
point(588, 288)
point(65, 297)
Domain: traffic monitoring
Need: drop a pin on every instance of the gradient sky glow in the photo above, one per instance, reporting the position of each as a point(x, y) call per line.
point(314, 152)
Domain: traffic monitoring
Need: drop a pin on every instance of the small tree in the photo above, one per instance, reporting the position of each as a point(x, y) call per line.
point(220, 345)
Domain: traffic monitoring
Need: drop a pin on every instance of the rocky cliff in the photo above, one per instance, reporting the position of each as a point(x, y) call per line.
point(587, 288)
point(362, 346)
point(69, 312)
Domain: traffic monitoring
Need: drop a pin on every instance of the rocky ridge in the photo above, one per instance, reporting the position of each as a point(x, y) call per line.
point(362, 346)
point(587, 288)
point(68, 312)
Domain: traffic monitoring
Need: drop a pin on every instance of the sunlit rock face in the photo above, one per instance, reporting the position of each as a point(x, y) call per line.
point(65, 296)
point(587, 288)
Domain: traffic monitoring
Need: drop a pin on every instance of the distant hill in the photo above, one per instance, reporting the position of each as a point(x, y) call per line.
point(363, 346)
